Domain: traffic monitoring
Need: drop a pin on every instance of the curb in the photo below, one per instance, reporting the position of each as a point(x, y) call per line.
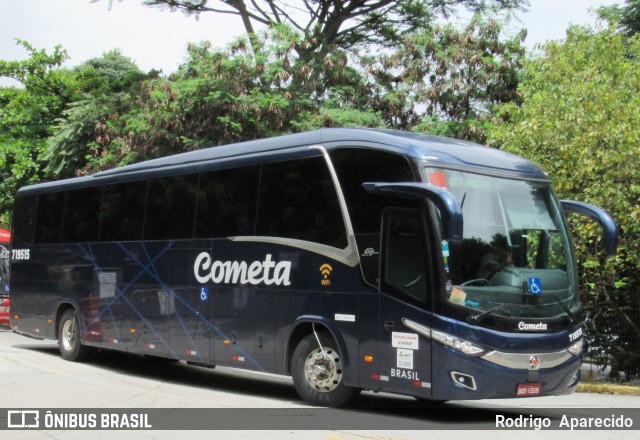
point(618, 390)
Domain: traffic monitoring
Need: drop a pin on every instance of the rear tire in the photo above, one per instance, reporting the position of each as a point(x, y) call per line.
point(71, 349)
point(317, 374)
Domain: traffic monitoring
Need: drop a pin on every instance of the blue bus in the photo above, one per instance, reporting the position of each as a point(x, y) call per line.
point(349, 259)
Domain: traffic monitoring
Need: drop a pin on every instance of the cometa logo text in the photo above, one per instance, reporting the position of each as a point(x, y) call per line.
point(266, 272)
point(526, 326)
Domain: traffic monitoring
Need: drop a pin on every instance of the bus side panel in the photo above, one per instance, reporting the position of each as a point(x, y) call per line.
point(146, 298)
point(370, 346)
point(335, 313)
point(51, 278)
point(260, 291)
point(52, 275)
point(236, 326)
point(189, 305)
point(32, 301)
point(149, 302)
point(317, 294)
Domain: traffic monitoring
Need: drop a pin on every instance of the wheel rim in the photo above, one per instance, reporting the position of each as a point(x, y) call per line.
point(322, 369)
point(69, 335)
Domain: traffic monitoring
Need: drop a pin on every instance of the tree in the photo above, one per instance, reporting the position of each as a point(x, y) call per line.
point(579, 118)
point(48, 125)
point(445, 80)
point(103, 91)
point(220, 96)
point(627, 17)
point(27, 115)
point(335, 23)
point(328, 25)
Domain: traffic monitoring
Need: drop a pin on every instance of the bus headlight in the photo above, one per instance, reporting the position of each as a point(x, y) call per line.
point(576, 348)
point(459, 344)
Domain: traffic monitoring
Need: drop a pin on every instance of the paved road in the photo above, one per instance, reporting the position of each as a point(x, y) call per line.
point(32, 375)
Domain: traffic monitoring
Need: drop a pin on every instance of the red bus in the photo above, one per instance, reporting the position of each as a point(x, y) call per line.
point(5, 240)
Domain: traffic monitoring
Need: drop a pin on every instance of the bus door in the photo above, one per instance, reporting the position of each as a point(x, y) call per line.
point(405, 295)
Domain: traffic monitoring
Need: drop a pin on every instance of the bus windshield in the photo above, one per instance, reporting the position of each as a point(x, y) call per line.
point(514, 259)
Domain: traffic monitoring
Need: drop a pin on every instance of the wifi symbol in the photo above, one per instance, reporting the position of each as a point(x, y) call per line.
point(325, 270)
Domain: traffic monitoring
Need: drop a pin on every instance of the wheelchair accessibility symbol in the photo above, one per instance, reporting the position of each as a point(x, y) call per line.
point(535, 286)
point(204, 294)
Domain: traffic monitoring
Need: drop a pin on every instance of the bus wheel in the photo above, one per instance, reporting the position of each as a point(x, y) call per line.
point(69, 338)
point(317, 373)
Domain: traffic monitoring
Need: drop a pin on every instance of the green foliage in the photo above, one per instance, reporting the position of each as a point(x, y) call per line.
point(626, 18)
point(579, 119)
point(249, 90)
point(444, 80)
point(26, 118)
point(103, 88)
point(48, 124)
point(330, 24)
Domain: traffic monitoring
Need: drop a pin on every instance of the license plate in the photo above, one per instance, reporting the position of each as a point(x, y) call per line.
point(4, 309)
point(528, 389)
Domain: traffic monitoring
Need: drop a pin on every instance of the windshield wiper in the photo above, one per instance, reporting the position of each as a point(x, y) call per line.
point(571, 316)
point(476, 319)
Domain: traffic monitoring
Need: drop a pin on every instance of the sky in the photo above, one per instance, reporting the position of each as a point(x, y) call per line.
point(157, 39)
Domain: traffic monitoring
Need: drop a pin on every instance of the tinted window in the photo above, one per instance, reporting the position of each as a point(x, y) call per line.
point(404, 268)
point(82, 215)
point(298, 200)
point(171, 208)
point(227, 201)
point(123, 209)
point(49, 217)
point(24, 219)
point(356, 166)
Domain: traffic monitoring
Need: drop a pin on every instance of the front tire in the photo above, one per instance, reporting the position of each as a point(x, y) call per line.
point(318, 373)
point(71, 349)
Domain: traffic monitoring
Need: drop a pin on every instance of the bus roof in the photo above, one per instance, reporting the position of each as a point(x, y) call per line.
point(435, 150)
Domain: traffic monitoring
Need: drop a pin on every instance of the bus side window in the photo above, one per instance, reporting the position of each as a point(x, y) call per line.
point(355, 166)
point(298, 200)
point(49, 218)
point(123, 209)
point(171, 208)
point(404, 255)
point(24, 221)
point(227, 201)
point(82, 215)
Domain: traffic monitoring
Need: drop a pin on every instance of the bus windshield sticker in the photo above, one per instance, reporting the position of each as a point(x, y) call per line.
point(535, 286)
point(445, 260)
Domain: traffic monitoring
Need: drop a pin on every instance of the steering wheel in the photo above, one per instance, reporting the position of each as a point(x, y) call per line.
point(476, 282)
point(412, 283)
